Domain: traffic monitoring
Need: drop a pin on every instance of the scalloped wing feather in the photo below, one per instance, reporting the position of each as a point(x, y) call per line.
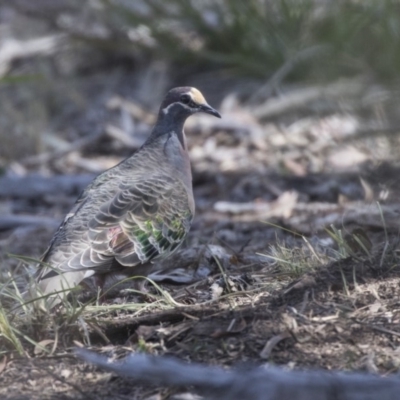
point(143, 221)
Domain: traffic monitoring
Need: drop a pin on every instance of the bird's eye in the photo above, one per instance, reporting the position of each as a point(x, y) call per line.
point(185, 99)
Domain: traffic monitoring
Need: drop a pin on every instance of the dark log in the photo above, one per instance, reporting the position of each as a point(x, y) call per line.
point(35, 185)
point(15, 221)
point(251, 384)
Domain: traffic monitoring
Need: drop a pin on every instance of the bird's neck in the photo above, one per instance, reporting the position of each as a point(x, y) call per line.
point(166, 125)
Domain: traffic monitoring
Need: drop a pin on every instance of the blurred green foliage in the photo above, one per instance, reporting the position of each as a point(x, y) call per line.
point(320, 39)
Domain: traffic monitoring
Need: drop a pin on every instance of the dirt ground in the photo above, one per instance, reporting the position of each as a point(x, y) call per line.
point(293, 257)
point(276, 295)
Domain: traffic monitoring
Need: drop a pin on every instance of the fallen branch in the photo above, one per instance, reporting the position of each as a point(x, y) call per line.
point(134, 109)
point(35, 186)
point(50, 156)
point(255, 384)
point(312, 217)
point(14, 221)
point(281, 207)
point(302, 97)
point(12, 49)
point(120, 135)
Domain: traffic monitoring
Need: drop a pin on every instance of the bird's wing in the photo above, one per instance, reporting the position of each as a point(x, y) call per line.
point(143, 220)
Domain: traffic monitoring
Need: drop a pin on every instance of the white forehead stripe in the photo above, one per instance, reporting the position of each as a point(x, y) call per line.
point(197, 96)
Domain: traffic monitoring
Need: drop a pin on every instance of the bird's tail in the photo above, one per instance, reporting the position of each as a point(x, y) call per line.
point(50, 291)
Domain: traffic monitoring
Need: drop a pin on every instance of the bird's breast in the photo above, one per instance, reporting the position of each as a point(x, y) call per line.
point(177, 158)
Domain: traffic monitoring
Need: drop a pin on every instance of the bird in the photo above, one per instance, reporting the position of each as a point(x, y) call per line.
point(131, 215)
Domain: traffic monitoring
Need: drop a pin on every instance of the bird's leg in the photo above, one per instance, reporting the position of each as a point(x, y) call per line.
point(94, 286)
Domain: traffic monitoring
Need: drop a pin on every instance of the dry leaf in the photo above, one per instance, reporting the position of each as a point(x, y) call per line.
point(39, 348)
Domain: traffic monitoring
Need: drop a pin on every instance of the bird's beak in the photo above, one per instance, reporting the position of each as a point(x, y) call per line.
point(209, 110)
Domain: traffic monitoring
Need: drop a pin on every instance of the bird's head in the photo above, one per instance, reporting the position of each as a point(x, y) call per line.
point(181, 102)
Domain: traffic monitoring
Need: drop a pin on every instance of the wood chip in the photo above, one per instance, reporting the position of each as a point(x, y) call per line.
point(266, 351)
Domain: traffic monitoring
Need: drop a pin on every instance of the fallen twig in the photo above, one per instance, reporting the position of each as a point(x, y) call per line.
point(14, 221)
point(301, 97)
point(50, 156)
point(12, 49)
point(132, 108)
point(35, 186)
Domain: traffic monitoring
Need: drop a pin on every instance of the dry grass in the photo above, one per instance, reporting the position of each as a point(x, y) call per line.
point(341, 314)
